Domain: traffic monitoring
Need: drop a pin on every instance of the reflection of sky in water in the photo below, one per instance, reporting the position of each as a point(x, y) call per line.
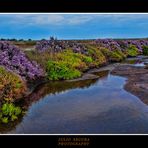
point(139, 64)
point(104, 107)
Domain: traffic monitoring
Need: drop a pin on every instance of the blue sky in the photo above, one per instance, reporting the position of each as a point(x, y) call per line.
point(73, 26)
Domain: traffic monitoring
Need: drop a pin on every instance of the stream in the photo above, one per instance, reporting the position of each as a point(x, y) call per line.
point(95, 106)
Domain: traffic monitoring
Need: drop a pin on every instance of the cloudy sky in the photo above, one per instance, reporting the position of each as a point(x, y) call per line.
point(73, 26)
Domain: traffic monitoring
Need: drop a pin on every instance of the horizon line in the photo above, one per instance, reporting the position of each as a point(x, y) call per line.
point(25, 39)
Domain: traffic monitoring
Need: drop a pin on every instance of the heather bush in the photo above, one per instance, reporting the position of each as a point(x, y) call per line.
point(12, 86)
point(75, 60)
point(145, 50)
point(121, 44)
point(75, 55)
point(132, 51)
point(97, 56)
point(109, 44)
point(54, 46)
point(137, 43)
point(15, 60)
point(106, 52)
point(116, 56)
point(113, 56)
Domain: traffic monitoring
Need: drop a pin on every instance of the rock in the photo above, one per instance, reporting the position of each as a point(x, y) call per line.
point(137, 82)
point(85, 77)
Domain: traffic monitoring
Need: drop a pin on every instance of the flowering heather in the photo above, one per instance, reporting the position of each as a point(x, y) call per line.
point(138, 43)
point(51, 45)
point(121, 44)
point(109, 44)
point(13, 59)
point(54, 45)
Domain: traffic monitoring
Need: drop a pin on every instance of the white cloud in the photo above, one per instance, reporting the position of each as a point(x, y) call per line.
point(48, 19)
point(51, 19)
point(80, 19)
point(55, 19)
point(37, 19)
point(69, 19)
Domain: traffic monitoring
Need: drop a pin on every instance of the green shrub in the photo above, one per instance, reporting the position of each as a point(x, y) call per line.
point(132, 51)
point(9, 112)
point(59, 70)
point(74, 60)
point(113, 56)
point(87, 59)
point(116, 56)
point(12, 86)
point(106, 52)
point(145, 50)
point(97, 56)
point(67, 59)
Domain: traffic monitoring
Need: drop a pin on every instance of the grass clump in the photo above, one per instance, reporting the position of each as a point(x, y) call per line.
point(9, 112)
point(40, 58)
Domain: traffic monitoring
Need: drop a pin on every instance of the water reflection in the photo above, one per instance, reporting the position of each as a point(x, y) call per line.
point(90, 106)
point(53, 88)
point(56, 87)
point(138, 61)
point(94, 106)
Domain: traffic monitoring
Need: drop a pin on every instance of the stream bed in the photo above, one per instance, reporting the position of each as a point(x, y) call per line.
point(95, 106)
